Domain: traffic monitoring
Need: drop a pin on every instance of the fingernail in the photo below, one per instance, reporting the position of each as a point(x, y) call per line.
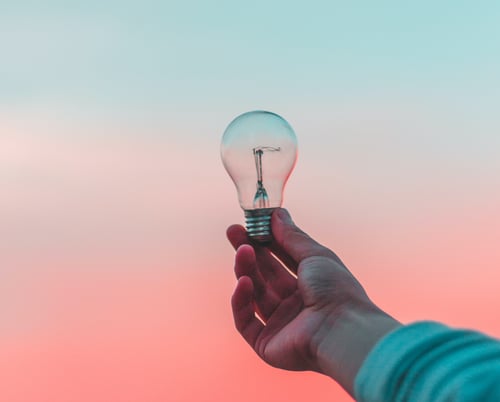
point(284, 216)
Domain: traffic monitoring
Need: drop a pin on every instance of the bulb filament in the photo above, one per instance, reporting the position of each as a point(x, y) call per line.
point(261, 199)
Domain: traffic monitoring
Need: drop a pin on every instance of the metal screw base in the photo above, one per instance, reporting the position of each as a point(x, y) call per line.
point(258, 223)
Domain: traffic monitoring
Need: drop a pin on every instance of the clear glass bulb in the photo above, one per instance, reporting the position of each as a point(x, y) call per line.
point(259, 150)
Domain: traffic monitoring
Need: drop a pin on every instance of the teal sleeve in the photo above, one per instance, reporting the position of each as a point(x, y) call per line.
point(427, 361)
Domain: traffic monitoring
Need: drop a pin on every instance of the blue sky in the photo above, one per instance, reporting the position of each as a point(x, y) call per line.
point(198, 55)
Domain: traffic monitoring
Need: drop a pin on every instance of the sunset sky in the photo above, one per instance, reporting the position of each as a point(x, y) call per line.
point(115, 274)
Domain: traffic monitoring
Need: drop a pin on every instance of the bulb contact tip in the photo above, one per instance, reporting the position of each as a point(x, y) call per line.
point(258, 224)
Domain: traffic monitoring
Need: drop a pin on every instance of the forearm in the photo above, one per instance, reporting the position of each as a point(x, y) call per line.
point(347, 338)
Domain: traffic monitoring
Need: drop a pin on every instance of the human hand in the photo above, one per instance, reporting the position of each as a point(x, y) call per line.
point(307, 318)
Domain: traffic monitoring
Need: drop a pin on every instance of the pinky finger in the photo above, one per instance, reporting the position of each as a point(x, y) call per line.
point(242, 302)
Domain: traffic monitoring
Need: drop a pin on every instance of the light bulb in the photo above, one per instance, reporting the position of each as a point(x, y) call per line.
point(259, 150)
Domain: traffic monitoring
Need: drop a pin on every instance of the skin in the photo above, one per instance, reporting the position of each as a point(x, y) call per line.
point(313, 315)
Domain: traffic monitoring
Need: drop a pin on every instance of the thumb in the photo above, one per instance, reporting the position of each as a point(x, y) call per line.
point(293, 241)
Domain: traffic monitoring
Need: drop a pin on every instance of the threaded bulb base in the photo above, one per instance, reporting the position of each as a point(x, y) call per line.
point(258, 223)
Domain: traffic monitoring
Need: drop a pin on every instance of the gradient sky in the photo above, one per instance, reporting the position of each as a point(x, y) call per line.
point(115, 275)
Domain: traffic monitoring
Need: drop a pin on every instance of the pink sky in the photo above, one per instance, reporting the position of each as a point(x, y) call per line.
point(116, 277)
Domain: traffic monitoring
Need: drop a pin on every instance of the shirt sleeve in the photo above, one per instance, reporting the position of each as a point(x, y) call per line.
point(428, 361)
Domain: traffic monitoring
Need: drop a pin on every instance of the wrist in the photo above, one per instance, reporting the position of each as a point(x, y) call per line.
point(346, 338)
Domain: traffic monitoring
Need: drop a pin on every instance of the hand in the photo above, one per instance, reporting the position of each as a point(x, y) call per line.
point(302, 314)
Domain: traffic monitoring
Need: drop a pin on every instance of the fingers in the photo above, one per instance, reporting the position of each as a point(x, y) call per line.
point(270, 271)
point(266, 300)
point(242, 302)
point(253, 330)
point(237, 235)
point(292, 243)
